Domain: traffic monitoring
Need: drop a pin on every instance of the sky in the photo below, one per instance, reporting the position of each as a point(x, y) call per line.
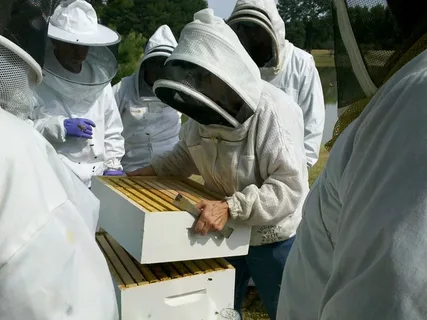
point(222, 8)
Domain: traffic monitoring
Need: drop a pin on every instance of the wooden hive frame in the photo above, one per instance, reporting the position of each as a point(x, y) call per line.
point(156, 194)
point(129, 273)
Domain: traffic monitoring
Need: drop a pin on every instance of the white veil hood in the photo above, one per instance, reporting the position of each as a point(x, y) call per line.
point(211, 44)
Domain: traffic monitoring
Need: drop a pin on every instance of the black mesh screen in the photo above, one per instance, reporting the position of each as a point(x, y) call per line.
point(25, 23)
point(377, 37)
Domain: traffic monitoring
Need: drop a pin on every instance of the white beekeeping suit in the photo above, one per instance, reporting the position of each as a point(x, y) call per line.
point(247, 142)
point(289, 68)
point(50, 264)
point(149, 126)
point(360, 250)
point(66, 96)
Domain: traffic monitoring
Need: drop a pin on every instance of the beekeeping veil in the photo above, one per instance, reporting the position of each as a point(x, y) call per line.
point(23, 30)
point(75, 22)
point(210, 77)
point(250, 15)
point(160, 45)
point(365, 56)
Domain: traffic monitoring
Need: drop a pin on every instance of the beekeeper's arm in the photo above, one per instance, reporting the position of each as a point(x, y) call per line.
point(114, 143)
point(178, 161)
point(379, 261)
point(118, 91)
point(282, 166)
point(312, 104)
point(51, 127)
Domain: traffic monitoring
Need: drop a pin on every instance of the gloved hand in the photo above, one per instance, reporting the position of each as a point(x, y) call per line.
point(114, 173)
point(79, 127)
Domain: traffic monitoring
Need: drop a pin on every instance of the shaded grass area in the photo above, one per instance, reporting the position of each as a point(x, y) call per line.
point(323, 58)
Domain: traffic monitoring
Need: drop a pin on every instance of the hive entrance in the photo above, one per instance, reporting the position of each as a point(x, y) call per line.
point(128, 273)
point(155, 194)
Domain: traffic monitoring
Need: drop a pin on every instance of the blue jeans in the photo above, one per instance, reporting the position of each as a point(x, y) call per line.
point(265, 265)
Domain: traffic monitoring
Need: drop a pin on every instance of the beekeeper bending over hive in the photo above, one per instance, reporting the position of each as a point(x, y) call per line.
point(50, 265)
point(76, 110)
point(360, 251)
point(262, 32)
point(245, 138)
point(150, 127)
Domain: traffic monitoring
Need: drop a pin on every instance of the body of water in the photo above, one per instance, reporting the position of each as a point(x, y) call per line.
point(329, 85)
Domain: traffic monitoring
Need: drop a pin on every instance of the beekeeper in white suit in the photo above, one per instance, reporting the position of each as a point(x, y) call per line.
point(75, 106)
point(262, 32)
point(50, 264)
point(150, 127)
point(245, 138)
point(360, 251)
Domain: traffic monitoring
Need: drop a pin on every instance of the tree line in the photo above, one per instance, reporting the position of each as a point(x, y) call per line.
point(137, 20)
point(309, 25)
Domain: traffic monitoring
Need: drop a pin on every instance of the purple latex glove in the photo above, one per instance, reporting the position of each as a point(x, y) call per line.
point(114, 173)
point(79, 127)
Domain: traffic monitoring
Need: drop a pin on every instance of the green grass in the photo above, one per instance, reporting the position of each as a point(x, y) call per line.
point(323, 58)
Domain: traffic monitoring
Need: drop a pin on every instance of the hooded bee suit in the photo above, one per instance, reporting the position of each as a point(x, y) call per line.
point(360, 250)
point(245, 138)
point(290, 69)
point(150, 127)
point(66, 95)
point(50, 264)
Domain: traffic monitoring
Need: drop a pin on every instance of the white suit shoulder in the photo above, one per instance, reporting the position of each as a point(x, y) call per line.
point(305, 61)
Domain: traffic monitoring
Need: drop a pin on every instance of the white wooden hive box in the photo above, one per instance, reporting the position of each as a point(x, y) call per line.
point(138, 213)
point(188, 290)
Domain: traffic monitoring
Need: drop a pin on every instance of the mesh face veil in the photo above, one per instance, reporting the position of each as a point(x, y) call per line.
point(201, 95)
point(23, 34)
point(363, 67)
point(16, 83)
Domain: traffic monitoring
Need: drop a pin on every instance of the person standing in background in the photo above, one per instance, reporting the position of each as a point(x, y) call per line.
point(75, 107)
point(150, 127)
point(262, 32)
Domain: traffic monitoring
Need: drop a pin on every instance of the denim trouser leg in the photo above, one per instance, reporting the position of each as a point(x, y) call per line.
point(265, 265)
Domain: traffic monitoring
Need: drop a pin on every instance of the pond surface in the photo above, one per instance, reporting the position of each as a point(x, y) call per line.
point(329, 85)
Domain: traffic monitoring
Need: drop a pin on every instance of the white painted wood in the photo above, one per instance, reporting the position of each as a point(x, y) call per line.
point(162, 236)
point(197, 297)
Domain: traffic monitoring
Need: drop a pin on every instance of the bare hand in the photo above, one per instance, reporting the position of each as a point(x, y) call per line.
point(213, 216)
point(147, 171)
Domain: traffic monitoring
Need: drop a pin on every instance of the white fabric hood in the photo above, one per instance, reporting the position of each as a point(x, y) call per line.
point(210, 43)
point(256, 11)
point(161, 43)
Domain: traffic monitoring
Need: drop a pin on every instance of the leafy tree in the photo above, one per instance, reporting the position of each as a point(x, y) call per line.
point(309, 17)
point(129, 55)
point(145, 16)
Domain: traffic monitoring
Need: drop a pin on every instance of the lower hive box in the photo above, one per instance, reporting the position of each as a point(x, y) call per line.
point(188, 290)
point(138, 212)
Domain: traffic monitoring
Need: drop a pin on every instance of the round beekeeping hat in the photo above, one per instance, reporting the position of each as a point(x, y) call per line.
point(76, 22)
